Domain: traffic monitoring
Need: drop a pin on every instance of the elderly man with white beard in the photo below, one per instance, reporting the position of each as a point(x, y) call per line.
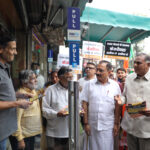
point(29, 120)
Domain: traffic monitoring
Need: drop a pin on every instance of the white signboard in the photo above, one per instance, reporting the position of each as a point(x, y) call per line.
point(74, 35)
point(63, 60)
point(92, 50)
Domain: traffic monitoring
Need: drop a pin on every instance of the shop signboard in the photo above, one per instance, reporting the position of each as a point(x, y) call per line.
point(117, 50)
point(92, 50)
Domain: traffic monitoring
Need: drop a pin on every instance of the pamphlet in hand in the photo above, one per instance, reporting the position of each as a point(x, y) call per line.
point(39, 96)
point(66, 111)
point(36, 97)
point(135, 109)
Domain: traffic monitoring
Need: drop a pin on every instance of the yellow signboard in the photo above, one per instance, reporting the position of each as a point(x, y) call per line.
point(116, 57)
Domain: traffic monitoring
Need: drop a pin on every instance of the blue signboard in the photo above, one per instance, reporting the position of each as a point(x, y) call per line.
point(50, 55)
point(74, 54)
point(74, 18)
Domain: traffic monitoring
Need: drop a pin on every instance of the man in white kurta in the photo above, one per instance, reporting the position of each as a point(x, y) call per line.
point(53, 107)
point(99, 105)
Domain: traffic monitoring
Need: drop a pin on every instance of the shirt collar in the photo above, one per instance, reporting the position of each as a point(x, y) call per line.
point(108, 82)
point(29, 90)
point(90, 79)
point(146, 76)
point(59, 86)
point(4, 66)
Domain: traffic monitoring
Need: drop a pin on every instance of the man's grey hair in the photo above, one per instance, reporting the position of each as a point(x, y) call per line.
point(24, 76)
point(108, 64)
point(146, 57)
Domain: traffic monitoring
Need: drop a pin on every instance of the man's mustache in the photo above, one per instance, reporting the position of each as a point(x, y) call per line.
point(98, 75)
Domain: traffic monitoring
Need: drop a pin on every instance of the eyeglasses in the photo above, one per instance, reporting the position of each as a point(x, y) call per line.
point(89, 68)
point(99, 70)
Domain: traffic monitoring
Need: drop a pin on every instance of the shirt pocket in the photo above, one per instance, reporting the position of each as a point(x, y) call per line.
point(93, 107)
point(107, 105)
point(93, 116)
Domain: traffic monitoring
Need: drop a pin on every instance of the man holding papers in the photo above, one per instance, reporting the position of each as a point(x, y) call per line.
point(136, 93)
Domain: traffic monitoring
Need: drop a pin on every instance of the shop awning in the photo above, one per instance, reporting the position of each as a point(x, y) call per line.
point(100, 25)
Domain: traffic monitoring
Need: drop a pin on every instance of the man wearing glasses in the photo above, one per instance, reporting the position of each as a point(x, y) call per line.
point(90, 71)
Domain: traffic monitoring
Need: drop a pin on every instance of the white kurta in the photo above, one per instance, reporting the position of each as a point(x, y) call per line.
point(101, 112)
point(55, 99)
point(83, 81)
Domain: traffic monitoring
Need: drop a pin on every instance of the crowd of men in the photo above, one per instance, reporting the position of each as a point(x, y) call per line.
point(101, 98)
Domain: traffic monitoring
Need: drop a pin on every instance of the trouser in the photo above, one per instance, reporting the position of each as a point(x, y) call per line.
point(29, 143)
point(3, 144)
point(135, 143)
point(57, 143)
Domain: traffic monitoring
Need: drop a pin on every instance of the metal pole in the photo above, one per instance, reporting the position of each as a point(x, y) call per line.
point(71, 116)
point(76, 115)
